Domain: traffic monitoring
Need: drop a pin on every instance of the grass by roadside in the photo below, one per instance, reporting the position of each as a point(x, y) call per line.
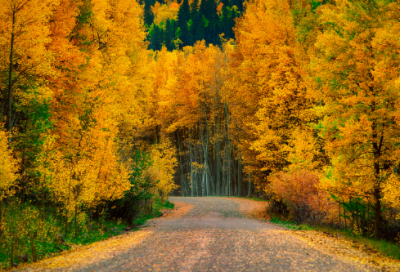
point(388, 249)
point(57, 243)
point(157, 207)
point(290, 225)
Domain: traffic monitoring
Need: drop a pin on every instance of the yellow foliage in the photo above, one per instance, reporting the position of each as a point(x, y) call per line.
point(8, 167)
point(87, 177)
point(164, 12)
point(162, 170)
point(25, 30)
point(391, 192)
point(357, 62)
point(267, 90)
point(301, 149)
point(83, 165)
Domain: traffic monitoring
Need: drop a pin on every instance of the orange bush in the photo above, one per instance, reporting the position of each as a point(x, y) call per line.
point(300, 192)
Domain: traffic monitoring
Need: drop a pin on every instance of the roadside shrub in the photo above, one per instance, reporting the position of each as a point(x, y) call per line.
point(278, 207)
point(300, 192)
point(138, 199)
point(26, 233)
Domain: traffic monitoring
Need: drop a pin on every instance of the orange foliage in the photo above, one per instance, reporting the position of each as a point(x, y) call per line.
point(300, 190)
point(155, 8)
point(174, 5)
point(220, 6)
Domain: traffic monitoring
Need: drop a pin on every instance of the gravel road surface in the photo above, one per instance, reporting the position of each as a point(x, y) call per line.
point(213, 234)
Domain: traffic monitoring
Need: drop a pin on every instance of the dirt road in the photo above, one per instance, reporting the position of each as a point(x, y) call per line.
point(204, 234)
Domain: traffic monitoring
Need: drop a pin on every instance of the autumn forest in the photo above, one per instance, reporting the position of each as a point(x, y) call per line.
point(107, 107)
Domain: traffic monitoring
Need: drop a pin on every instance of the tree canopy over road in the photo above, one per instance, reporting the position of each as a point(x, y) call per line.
point(107, 107)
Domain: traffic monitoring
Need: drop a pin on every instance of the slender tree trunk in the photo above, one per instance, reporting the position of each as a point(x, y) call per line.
point(239, 175)
point(191, 170)
point(249, 186)
point(224, 174)
point(1, 218)
point(198, 176)
point(182, 177)
point(191, 164)
point(205, 144)
point(207, 168)
point(378, 215)
point(377, 145)
point(211, 172)
point(344, 215)
point(217, 163)
point(187, 173)
point(76, 223)
point(10, 79)
point(229, 150)
point(206, 171)
point(12, 250)
point(32, 238)
point(229, 179)
point(234, 176)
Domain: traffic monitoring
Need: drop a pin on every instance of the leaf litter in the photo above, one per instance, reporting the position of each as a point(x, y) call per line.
point(331, 244)
point(82, 256)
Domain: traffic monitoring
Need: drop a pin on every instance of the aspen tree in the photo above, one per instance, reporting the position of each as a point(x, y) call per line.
point(26, 61)
point(357, 68)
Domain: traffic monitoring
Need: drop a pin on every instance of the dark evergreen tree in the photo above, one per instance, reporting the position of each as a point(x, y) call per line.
point(197, 21)
point(203, 7)
point(227, 20)
point(169, 35)
point(174, 26)
point(194, 8)
point(212, 33)
point(185, 35)
point(156, 38)
point(183, 19)
point(183, 13)
point(148, 15)
point(238, 4)
point(225, 2)
point(211, 10)
point(201, 30)
point(231, 24)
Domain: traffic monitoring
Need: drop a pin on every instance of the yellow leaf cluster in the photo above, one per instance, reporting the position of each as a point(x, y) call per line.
point(391, 192)
point(8, 167)
point(163, 168)
point(163, 12)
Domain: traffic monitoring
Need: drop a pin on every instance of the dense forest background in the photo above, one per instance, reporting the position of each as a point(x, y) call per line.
point(179, 24)
point(108, 107)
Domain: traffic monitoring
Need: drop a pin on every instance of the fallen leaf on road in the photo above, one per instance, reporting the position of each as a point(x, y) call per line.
point(92, 253)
